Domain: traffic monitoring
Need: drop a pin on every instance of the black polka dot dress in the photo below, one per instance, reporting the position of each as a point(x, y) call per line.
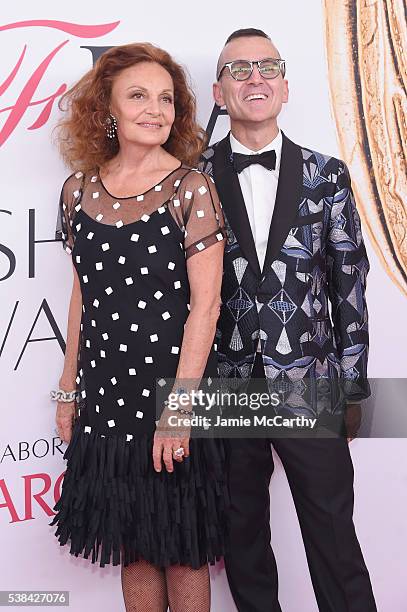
point(130, 255)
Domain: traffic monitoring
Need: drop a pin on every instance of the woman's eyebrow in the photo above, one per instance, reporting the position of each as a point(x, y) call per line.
point(144, 89)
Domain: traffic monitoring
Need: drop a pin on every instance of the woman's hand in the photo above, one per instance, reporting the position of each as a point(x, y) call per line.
point(64, 420)
point(168, 438)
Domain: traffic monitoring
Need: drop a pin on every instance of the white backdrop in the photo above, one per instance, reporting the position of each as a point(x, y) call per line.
point(31, 177)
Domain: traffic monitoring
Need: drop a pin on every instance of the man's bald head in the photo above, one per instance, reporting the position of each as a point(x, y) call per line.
point(243, 33)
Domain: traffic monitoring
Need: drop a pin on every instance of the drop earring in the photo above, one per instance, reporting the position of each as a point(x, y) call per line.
point(111, 126)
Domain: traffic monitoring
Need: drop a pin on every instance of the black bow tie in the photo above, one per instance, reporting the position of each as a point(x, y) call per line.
point(266, 159)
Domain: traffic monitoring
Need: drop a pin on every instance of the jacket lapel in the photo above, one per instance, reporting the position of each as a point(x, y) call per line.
point(288, 197)
point(230, 194)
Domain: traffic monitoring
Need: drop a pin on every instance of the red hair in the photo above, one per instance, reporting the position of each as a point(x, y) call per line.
point(81, 133)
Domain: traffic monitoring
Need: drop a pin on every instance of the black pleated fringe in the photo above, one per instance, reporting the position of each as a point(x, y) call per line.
point(114, 503)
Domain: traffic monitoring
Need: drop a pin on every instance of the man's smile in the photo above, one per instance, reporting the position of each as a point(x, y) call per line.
point(256, 96)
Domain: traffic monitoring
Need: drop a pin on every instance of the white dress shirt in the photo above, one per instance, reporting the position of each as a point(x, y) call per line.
point(259, 188)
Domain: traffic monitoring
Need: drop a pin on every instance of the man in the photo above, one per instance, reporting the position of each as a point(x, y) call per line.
point(294, 244)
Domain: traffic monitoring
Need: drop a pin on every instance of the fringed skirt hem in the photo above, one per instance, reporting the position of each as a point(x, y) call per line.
point(114, 507)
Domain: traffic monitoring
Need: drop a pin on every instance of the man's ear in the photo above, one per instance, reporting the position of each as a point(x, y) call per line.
point(217, 94)
point(286, 91)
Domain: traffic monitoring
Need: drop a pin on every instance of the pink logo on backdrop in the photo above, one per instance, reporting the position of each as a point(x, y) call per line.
point(26, 97)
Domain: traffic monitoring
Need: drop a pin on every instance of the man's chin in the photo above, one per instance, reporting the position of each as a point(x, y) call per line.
point(256, 118)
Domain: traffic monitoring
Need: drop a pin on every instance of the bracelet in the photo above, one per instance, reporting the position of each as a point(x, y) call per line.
point(63, 396)
point(180, 410)
point(184, 411)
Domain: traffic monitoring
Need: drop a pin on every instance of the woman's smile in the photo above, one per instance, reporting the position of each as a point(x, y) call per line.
point(150, 125)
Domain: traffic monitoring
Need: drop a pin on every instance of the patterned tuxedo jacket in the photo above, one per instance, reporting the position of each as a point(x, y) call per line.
point(308, 304)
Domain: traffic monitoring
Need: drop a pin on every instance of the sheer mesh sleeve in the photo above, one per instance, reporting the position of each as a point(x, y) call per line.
point(70, 195)
point(199, 212)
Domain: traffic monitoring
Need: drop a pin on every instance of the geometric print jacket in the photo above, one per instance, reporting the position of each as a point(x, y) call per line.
point(308, 304)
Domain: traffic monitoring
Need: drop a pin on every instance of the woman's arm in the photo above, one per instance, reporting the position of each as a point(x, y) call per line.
point(205, 279)
point(67, 382)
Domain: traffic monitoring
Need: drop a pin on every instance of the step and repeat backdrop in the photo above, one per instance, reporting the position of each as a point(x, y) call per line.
point(346, 78)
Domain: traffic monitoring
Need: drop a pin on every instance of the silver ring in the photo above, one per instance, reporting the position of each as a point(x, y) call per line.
point(179, 452)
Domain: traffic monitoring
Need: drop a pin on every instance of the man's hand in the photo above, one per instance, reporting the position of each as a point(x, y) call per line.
point(353, 418)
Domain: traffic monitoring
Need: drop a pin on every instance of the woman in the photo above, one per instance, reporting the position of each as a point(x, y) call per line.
point(146, 236)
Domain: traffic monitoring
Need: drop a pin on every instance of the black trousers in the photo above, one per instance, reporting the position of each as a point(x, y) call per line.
point(320, 475)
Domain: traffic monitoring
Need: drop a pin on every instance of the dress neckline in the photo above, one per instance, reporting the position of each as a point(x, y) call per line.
point(136, 194)
point(132, 223)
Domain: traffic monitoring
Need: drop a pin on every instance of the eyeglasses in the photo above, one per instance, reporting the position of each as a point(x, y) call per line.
point(241, 70)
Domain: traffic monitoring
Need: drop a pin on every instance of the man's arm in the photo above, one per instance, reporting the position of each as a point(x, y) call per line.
point(348, 266)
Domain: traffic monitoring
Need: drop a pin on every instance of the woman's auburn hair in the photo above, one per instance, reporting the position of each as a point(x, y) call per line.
point(82, 137)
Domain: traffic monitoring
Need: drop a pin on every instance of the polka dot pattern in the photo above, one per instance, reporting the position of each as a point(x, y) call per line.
point(130, 254)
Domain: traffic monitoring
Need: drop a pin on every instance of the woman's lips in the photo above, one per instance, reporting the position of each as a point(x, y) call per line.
point(150, 125)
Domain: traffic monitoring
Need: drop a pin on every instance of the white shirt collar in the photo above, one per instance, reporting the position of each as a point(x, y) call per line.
point(276, 144)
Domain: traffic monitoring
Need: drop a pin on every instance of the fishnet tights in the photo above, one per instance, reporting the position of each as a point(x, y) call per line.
point(188, 589)
point(144, 587)
point(147, 588)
